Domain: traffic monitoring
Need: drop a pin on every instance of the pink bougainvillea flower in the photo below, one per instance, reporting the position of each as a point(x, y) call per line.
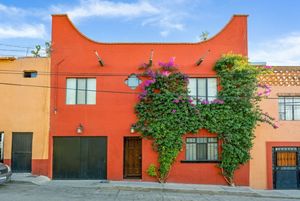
point(165, 73)
point(168, 65)
point(148, 82)
point(205, 102)
point(171, 62)
point(151, 73)
point(267, 93)
point(218, 101)
point(176, 101)
point(275, 125)
point(173, 111)
point(268, 67)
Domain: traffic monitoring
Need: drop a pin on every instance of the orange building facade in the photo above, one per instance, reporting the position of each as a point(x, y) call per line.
point(275, 155)
point(92, 106)
point(24, 121)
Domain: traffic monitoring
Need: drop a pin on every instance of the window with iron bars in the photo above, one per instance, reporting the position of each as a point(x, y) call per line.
point(289, 108)
point(202, 149)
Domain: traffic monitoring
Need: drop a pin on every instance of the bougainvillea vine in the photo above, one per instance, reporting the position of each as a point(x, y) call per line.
point(166, 112)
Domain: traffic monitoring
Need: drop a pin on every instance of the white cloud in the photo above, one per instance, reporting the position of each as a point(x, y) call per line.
point(154, 13)
point(165, 22)
point(103, 8)
point(164, 33)
point(17, 22)
point(281, 51)
point(23, 31)
point(11, 10)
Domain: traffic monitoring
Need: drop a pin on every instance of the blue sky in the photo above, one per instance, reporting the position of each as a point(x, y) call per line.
point(273, 25)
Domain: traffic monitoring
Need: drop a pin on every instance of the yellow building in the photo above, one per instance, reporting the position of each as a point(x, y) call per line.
point(24, 119)
point(275, 160)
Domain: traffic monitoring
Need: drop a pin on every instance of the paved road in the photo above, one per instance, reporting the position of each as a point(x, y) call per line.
point(30, 192)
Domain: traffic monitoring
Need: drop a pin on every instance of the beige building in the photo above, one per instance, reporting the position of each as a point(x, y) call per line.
point(275, 160)
point(24, 119)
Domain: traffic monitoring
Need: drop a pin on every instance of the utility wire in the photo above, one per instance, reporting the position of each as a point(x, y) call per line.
point(17, 46)
point(12, 50)
point(114, 92)
point(54, 87)
point(10, 45)
point(4, 71)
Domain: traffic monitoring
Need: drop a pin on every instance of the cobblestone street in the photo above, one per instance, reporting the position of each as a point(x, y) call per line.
point(22, 191)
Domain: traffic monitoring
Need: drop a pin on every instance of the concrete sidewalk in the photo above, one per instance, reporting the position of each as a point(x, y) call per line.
point(153, 186)
point(27, 177)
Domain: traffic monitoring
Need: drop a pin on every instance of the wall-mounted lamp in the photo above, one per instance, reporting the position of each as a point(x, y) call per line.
point(99, 58)
point(79, 129)
point(132, 128)
point(201, 59)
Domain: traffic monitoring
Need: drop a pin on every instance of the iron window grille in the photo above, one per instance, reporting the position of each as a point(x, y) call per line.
point(289, 108)
point(202, 149)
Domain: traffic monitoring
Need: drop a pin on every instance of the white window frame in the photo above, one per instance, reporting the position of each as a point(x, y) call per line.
point(205, 94)
point(74, 94)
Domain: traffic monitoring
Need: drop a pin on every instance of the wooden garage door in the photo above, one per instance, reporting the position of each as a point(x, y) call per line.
point(79, 158)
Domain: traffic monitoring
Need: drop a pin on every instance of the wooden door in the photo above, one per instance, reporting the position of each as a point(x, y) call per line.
point(132, 157)
point(21, 152)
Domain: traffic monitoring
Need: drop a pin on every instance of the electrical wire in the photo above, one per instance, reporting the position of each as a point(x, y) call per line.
point(5, 71)
point(17, 46)
point(10, 45)
point(65, 88)
point(114, 92)
point(12, 50)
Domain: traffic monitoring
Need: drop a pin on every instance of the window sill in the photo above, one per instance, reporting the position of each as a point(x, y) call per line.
point(289, 120)
point(213, 161)
point(80, 104)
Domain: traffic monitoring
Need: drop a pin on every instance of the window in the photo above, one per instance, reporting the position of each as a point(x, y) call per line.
point(289, 108)
point(202, 149)
point(81, 91)
point(133, 81)
point(285, 156)
point(202, 89)
point(30, 74)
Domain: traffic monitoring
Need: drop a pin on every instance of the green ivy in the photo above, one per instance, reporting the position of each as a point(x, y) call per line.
point(166, 112)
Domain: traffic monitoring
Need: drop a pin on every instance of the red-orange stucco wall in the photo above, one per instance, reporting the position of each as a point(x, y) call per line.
point(113, 113)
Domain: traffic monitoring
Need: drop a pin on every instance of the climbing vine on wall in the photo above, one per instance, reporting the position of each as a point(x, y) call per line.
point(166, 112)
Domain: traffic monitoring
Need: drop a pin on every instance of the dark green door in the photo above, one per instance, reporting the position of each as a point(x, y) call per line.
point(79, 158)
point(286, 168)
point(21, 152)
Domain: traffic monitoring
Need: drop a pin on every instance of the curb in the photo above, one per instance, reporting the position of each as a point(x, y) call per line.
point(166, 189)
point(195, 191)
